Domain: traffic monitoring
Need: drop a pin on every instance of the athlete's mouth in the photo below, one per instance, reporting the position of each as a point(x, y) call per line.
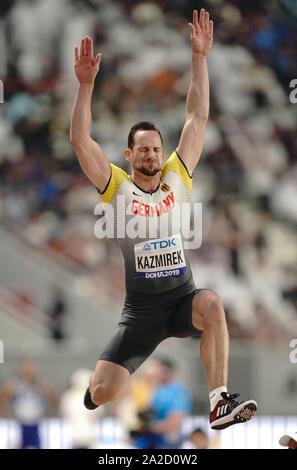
point(150, 161)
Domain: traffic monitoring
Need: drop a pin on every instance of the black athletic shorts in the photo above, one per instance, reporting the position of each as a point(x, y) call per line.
point(145, 323)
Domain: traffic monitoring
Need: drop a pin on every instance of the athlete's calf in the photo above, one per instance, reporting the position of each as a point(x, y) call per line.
point(208, 315)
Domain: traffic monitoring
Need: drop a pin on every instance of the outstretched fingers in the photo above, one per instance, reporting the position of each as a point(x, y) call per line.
point(206, 20)
point(86, 50)
point(86, 47)
point(202, 18)
point(211, 27)
point(98, 59)
point(82, 48)
point(192, 29)
point(195, 19)
point(89, 47)
point(203, 22)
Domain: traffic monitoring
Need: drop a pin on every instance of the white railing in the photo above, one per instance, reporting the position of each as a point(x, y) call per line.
point(262, 432)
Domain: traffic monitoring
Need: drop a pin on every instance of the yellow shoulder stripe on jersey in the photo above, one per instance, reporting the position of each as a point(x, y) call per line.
point(174, 163)
point(116, 179)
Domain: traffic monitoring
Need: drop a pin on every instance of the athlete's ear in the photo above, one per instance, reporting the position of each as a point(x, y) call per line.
point(128, 154)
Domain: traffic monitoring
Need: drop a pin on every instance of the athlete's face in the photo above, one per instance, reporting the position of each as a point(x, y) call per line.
point(147, 154)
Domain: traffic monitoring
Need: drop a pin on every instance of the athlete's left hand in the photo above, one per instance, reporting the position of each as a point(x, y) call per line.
point(201, 32)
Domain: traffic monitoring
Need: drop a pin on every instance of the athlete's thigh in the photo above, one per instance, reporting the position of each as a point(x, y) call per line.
point(134, 341)
point(181, 325)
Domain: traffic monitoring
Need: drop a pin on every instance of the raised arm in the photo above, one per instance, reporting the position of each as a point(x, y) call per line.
point(191, 141)
point(90, 155)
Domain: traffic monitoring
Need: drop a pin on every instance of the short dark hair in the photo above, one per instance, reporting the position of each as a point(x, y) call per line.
point(141, 126)
point(198, 430)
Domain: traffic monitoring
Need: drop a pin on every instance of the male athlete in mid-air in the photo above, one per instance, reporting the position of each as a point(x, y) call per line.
point(162, 300)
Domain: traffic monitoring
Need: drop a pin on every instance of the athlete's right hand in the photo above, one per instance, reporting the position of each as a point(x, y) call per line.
point(86, 67)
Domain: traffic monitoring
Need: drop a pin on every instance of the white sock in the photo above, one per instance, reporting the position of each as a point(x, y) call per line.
point(215, 396)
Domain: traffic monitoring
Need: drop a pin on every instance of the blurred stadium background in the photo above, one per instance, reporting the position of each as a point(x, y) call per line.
point(61, 289)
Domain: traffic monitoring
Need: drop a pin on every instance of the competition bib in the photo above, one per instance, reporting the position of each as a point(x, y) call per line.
point(157, 259)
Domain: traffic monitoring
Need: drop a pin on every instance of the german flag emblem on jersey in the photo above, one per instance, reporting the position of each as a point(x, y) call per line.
point(165, 187)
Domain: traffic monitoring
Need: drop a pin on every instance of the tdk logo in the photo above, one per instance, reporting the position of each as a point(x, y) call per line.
point(147, 247)
point(163, 243)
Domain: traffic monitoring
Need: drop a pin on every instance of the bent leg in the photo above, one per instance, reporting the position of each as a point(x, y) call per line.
point(208, 315)
point(134, 340)
point(107, 381)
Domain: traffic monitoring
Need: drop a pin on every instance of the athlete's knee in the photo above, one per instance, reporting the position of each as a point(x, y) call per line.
point(210, 307)
point(102, 393)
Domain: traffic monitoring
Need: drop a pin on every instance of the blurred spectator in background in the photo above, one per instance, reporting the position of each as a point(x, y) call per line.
point(153, 406)
point(80, 420)
point(57, 312)
point(144, 384)
point(170, 404)
point(133, 407)
point(289, 440)
point(28, 398)
point(198, 439)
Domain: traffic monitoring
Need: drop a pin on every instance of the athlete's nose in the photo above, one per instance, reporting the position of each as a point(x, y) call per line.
point(150, 156)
